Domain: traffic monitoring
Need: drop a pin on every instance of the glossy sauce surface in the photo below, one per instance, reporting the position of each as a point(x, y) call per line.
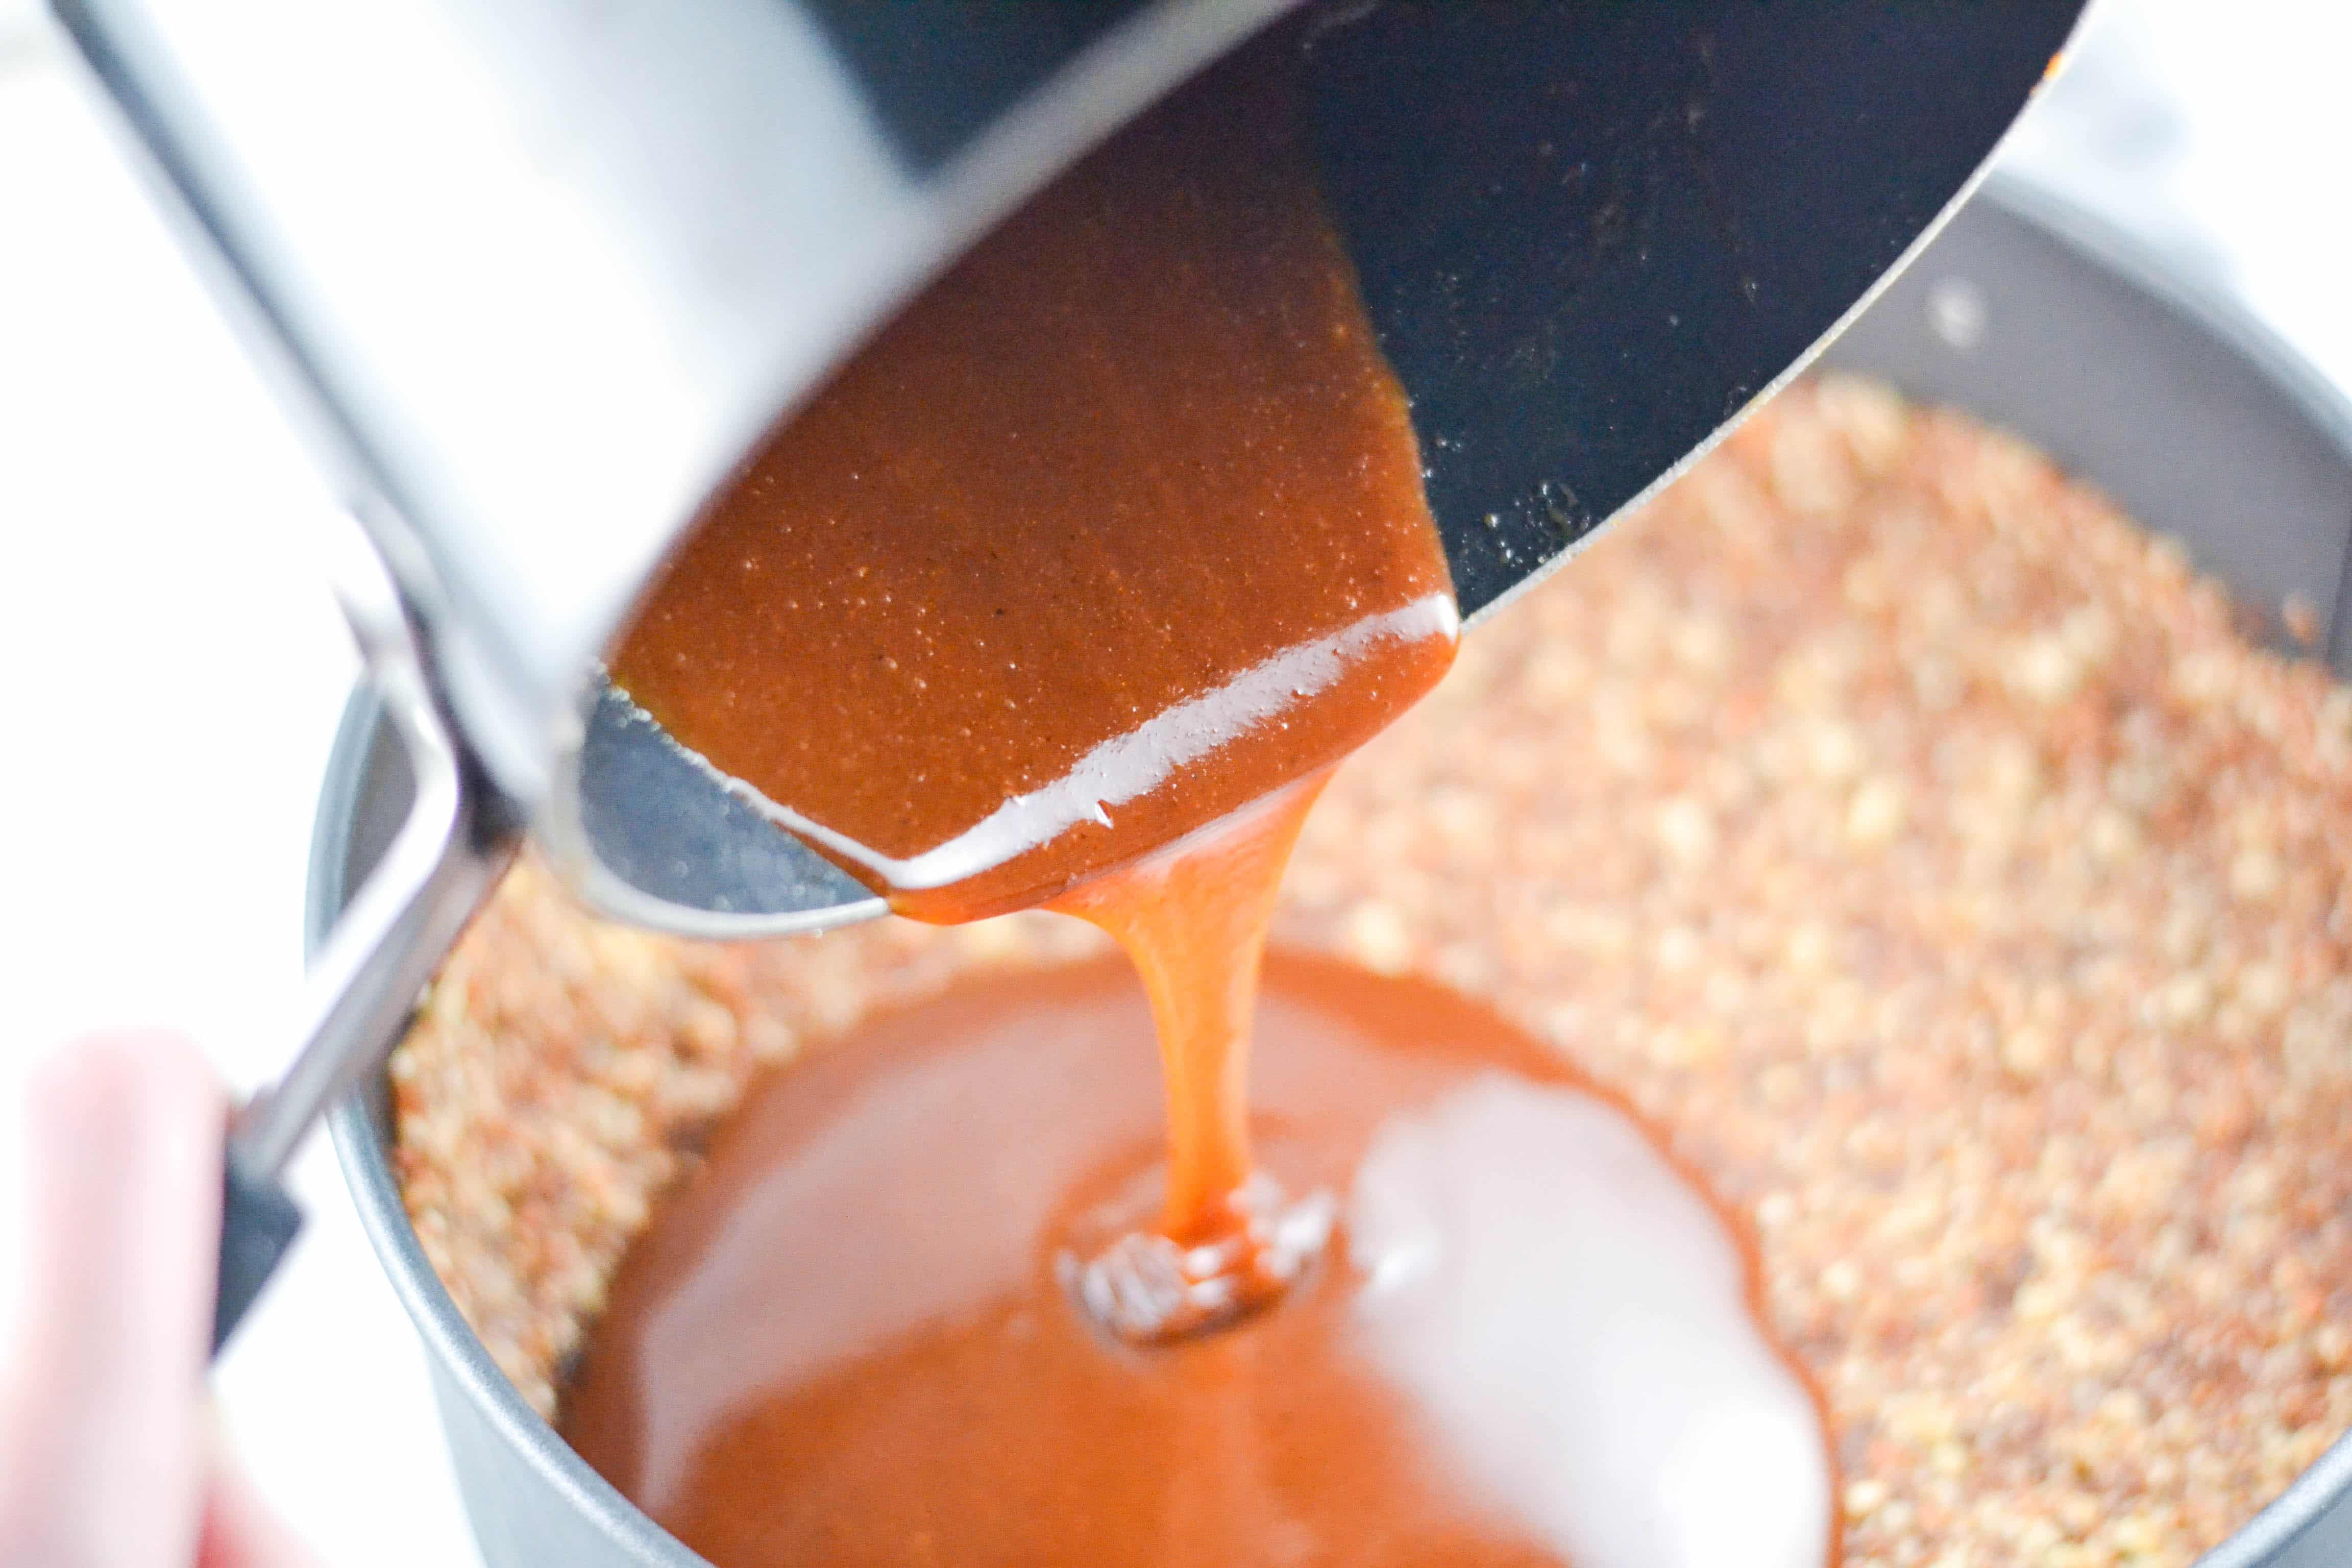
point(849, 1341)
point(1117, 529)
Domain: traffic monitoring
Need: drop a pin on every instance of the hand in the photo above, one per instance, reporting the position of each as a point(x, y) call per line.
point(109, 1453)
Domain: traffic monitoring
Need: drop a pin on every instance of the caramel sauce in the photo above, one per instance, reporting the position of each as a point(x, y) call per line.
point(1194, 918)
point(1069, 590)
point(849, 1341)
point(1117, 528)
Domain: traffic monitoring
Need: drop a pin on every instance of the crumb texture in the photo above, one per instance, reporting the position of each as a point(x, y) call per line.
point(1913, 838)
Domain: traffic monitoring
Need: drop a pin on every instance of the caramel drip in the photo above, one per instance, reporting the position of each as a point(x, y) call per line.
point(1192, 919)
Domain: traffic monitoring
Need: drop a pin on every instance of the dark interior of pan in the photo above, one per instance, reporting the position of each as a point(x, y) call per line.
point(1589, 235)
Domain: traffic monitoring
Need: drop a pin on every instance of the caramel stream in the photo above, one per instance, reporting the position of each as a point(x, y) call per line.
point(1114, 541)
point(1194, 920)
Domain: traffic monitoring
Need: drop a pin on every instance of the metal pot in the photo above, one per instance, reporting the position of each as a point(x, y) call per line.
point(2198, 422)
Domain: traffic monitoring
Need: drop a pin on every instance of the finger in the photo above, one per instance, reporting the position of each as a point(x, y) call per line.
point(102, 1458)
point(241, 1530)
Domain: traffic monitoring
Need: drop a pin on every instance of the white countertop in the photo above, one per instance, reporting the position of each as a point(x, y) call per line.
point(176, 668)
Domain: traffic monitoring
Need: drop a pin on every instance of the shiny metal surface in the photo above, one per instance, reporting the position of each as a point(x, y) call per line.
point(2164, 397)
point(455, 837)
point(455, 834)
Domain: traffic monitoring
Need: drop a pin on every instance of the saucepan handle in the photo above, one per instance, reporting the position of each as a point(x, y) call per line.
point(258, 1223)
point(458, 836)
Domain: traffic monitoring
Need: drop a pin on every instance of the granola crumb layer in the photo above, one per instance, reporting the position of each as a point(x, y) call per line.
point(1912, 837)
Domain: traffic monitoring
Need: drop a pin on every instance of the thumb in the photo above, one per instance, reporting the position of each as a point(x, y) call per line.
point(102, 1453)
point(240, 1530)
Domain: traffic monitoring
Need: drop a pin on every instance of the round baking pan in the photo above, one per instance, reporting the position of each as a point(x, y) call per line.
point(2022, 311)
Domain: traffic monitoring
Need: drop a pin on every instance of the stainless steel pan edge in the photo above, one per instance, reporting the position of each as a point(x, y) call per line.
point(530, 1499)
point(2197, 401)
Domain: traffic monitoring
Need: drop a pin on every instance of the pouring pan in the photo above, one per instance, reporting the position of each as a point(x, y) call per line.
point(2023, 312)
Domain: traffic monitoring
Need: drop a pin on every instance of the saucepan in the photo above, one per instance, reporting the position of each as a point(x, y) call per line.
point(2022, 312)
point(535, 276)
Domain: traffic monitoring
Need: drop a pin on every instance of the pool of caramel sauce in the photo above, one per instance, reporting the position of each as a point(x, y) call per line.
point(1070, 590)
point(850, 1340)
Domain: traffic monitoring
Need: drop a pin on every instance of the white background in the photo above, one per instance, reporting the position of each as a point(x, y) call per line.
point(174, 668)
